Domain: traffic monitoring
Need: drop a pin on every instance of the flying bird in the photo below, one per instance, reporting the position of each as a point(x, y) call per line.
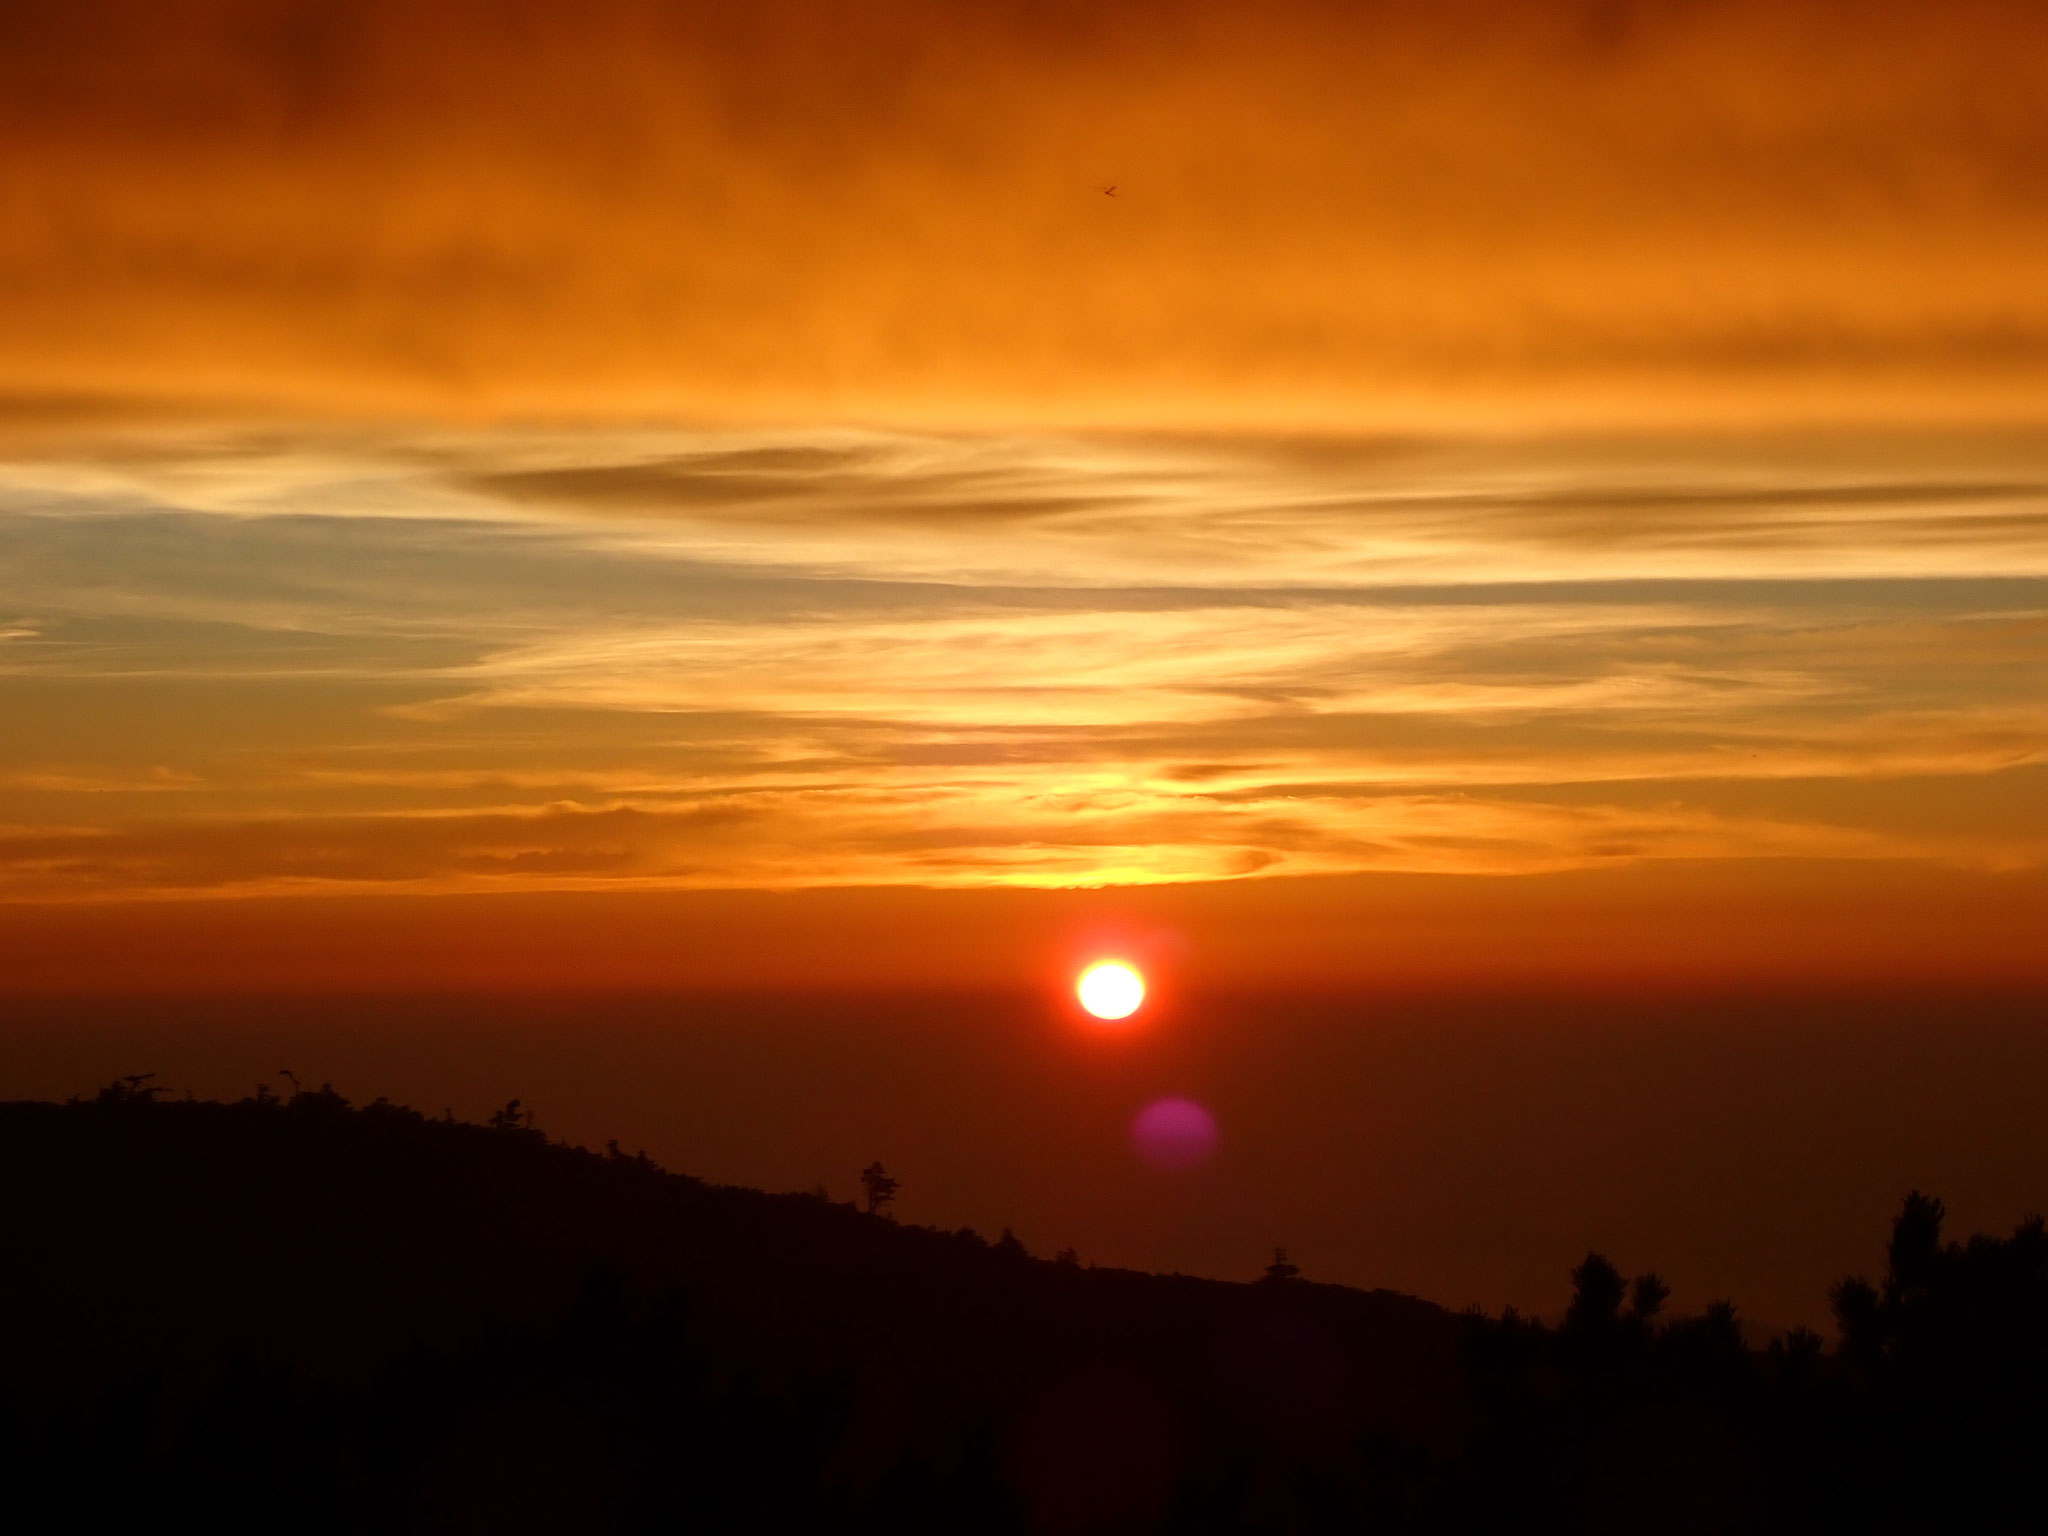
point(1109, 191)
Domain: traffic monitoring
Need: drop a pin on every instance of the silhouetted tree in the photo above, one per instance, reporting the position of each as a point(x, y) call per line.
point(1720, 1326)
point(323, 1100)
point(1853, 1300)
point(1010, 1247)
point(511, 1117)
point(1915, 1246)
point(136, 1088)
point(881, 1189)
point(1281, 1269)
point(1647, 1295)
point(1795, 1352)
point(1597, 1289)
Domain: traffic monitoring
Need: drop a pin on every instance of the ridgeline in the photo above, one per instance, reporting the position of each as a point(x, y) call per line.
point(294, 1315)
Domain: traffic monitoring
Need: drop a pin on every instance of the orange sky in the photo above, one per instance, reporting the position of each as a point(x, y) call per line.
point(1531, 508)
point(1642, 929)
point(461, 449)
point(1337, 216)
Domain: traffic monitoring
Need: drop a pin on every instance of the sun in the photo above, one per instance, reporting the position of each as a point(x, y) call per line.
point(1109, 989)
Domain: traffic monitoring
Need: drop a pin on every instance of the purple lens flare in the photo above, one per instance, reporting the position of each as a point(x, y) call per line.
point(1174, 1135)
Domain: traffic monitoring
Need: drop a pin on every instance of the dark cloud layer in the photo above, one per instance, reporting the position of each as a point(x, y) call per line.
point(1325, 212)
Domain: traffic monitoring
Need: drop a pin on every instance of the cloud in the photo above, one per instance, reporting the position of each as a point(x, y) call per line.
point(402, 658)
point(1477, 213)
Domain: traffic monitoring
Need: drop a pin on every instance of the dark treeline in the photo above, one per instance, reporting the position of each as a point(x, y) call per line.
point(293, 1315)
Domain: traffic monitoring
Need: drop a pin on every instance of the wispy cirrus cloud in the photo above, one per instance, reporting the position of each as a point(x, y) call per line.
point(468, 660)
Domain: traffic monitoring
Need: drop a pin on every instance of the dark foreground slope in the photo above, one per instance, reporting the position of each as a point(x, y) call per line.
point(305, 1317)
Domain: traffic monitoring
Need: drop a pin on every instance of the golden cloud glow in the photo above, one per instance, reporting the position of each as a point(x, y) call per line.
point(438, 662)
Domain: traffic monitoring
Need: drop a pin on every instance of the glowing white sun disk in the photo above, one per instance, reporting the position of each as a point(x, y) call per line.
point(1110, 989)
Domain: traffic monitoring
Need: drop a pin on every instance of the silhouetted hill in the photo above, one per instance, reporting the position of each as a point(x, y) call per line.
point(170, 1251)
point(300, 1316)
